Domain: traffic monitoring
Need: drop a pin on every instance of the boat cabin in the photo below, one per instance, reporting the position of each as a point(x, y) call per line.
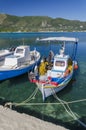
point(60, 65)
point(20, 56)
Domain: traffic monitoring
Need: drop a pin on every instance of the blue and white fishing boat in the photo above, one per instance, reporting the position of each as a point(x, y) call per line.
point(21, 61)
point(54, 75)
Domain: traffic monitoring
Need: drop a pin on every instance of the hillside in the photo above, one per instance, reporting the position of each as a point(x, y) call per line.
point(9, 23)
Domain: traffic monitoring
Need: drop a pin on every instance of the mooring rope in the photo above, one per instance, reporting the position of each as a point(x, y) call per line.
point(65, 105)
point(69, 111)
point(32, 96)
point(41, 104)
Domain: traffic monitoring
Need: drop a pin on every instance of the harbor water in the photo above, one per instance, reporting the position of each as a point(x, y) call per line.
point(64, 108)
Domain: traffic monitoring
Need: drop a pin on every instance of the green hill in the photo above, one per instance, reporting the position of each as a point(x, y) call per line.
point(9, 23)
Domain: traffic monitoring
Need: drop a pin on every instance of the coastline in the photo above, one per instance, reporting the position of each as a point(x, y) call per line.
point(12, 120)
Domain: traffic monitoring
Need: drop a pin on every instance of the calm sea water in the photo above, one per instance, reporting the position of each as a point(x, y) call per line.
point(19, 88)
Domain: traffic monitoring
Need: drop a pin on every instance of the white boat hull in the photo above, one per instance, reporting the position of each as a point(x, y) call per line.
point(49, 89)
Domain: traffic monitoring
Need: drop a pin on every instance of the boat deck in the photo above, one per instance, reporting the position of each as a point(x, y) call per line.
point(10, 67)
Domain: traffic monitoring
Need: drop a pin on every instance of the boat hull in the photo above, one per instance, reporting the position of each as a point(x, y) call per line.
point(6, 74)
point(48, 89)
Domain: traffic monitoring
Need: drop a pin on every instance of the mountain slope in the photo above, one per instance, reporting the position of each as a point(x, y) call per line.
point(9, 23)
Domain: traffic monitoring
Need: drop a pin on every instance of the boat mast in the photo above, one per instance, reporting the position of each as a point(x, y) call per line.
point(62, 50)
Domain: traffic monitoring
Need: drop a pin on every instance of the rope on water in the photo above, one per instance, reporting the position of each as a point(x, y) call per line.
point(41, 104)
point(61, 102)
point(32, 96)
point(68, 109)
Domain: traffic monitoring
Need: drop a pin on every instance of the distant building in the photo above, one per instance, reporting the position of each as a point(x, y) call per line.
point(44, 23)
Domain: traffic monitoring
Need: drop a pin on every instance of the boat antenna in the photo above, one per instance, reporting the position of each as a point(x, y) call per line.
point(23, 41)
point(64, 46)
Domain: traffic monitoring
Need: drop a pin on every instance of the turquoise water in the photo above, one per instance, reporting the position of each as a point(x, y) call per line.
point(19, 88)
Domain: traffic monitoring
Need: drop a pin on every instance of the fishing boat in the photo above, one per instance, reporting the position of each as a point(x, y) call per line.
point(20, 62)
point(54, 74)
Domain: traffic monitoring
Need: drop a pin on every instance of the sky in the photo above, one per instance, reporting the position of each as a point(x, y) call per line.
point(68, 9)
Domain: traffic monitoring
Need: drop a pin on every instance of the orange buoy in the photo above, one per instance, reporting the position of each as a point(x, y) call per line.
point(75, 67)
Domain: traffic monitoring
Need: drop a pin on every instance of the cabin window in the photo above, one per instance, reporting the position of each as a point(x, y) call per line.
point(19, 51)
point(60, 63)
